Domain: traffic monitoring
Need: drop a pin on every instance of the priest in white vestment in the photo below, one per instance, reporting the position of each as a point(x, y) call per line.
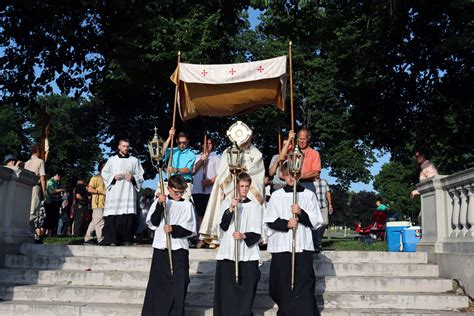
point(224, 187)
point(123, 177)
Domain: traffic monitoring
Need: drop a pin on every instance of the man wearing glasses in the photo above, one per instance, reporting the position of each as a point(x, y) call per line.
point(183, 159)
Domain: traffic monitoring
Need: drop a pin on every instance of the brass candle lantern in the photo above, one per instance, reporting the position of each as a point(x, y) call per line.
point(155, 147)
point(295, 164)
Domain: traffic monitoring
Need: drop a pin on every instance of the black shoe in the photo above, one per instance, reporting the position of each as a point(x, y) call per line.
point(90, 242)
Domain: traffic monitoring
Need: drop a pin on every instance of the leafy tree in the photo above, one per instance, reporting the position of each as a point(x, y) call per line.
point(362, 205)
point(74, 138)
point(394, 182)
point(342, 215)
point(381, 74)
point(12, 139)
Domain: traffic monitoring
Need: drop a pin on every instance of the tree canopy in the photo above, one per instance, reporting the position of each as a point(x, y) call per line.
point(387, 75)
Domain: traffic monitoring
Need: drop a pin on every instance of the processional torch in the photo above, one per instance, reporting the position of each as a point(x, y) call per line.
point(234, 158)
point(238, 133)
point(155, 147)
point(295, 162)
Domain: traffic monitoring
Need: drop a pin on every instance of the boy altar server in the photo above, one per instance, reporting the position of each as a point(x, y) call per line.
point(231, 298)
point(280, 221)
point(165, 293)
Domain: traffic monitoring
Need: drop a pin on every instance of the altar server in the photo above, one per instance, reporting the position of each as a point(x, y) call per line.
point(166, 293)
point(280, 221)
point(231, 298)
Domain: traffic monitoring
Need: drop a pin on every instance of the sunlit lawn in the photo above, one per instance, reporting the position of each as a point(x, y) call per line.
point(335, 243)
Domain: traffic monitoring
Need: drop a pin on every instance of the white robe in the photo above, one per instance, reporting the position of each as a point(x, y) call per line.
point(121, 196)
point(279, 206)
point(224, 187)
point(249, 221)
point(179, 213)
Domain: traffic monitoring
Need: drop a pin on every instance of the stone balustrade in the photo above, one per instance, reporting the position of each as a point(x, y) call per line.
point(447, 220)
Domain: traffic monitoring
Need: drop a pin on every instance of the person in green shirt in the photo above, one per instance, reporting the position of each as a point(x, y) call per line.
point(380, 206)
point(52, 202)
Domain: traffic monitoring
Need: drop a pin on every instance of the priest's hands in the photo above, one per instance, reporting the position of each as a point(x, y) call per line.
point(119, 177)
point(292, 222)
point(295, 209)
point(128, 176)
point(168, 228)
point(238, 236)
point(204, 156)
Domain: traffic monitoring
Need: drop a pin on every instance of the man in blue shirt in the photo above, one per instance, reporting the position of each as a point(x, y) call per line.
point(183, 159)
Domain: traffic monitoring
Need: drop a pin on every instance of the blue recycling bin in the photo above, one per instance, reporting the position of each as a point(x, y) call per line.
point(411, 236)
point(393, 231)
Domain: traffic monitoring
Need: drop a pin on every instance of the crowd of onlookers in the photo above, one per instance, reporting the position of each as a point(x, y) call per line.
point(76, 207)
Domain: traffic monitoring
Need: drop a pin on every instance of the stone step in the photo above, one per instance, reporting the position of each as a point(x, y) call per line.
point(205, 282)
point(125, 264)
point(382, 300)
point(322, 268)
point(28, 308)
point(145, 251)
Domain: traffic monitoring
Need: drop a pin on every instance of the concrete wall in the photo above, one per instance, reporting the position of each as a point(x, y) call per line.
point(456, 266)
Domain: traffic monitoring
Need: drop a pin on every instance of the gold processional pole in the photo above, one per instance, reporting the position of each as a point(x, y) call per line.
point(204, 164)
point(155, 147)
point(175, 104)
point(234, 158)
point(295, 161)
point(239, 133)
point(279, 147)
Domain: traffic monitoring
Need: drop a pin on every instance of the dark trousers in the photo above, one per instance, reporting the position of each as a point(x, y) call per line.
point(80, 213)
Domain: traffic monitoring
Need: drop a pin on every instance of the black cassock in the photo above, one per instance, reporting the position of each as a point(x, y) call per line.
point(301, 300)
point(165, 294)
point(231, 298)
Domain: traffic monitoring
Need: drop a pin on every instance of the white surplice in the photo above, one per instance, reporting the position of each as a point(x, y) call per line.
point(121, 195)
point(179, 213)
point(279, 206)
point(224, 187)
point(249, 221)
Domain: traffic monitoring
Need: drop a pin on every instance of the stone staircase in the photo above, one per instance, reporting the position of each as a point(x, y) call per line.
point(92, 280)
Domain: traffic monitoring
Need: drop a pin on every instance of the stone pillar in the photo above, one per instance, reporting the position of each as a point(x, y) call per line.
point(434, 217)
point(15, 201)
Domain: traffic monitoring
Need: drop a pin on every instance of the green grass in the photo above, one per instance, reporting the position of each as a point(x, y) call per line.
point(66, 240)
point(335, 243)
point(349, 244)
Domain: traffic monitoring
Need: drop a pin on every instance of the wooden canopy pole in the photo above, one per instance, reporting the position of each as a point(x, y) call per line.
point(204, 164)
point(175, 105)
point(293, 241)
point(292, 110)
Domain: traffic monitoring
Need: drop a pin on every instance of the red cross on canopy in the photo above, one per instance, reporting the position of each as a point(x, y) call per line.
point(204, 72)
point(260, 69)
point(232, 71)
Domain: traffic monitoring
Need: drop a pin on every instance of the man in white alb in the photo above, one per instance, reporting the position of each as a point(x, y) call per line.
point(123, 177)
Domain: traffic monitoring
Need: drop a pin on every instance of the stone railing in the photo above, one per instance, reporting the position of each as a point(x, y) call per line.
point(15, 200)
point(447, 220)
point(447, 213)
